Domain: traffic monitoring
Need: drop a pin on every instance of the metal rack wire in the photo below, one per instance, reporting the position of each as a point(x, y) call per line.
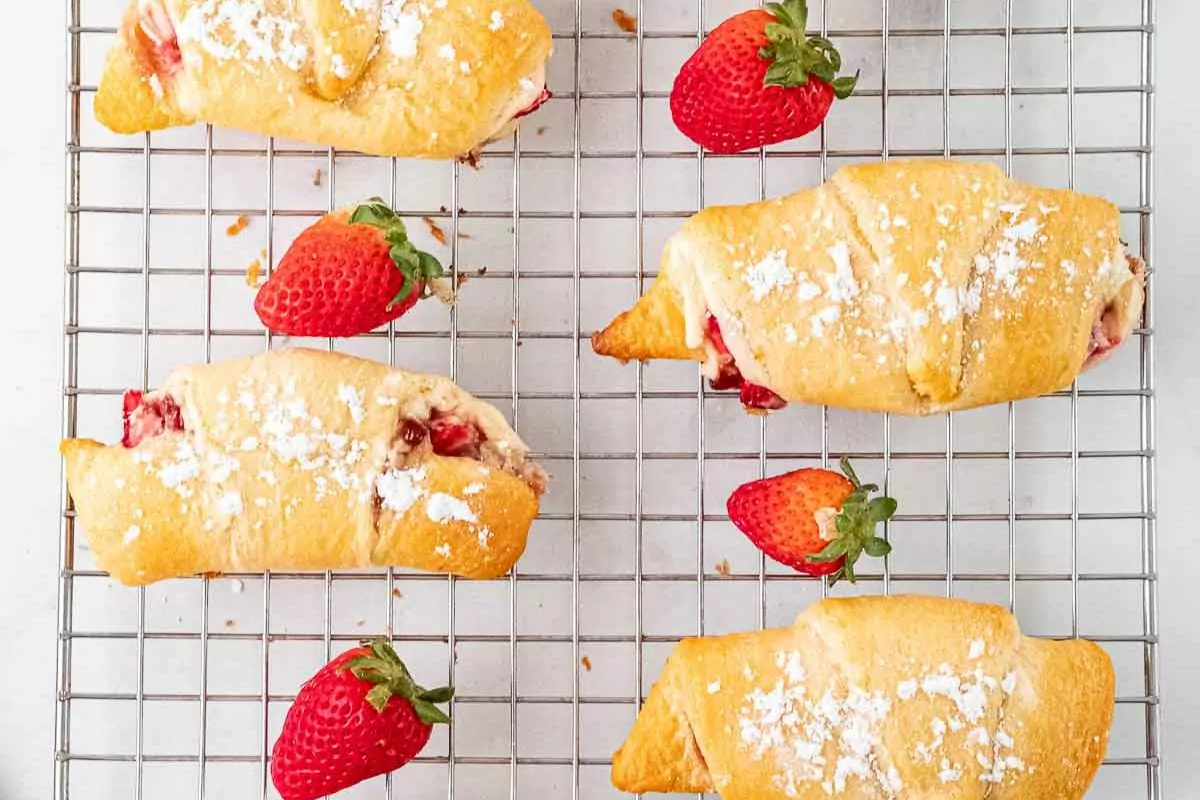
point(1047, 506)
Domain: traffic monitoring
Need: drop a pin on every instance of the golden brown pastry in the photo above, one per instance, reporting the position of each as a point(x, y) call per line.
point(876, 698)
point(302, 459)
point(415, 78)
point(910, 287)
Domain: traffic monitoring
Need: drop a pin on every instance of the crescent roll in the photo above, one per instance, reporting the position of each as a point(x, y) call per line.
point(909, 287)
point(307, 460)
point(413, 78)
point(876, 698)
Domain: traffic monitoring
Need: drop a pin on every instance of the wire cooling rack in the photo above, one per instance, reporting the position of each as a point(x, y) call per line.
point(1046, 506)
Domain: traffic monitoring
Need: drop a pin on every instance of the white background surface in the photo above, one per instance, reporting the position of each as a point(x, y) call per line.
point(31, 163)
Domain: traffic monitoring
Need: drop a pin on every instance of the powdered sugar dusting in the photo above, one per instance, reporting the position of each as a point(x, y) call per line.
point(798, 729)
point(230, 503)
point(353, 399)
point(443, 507)
point(245, 30)
point(399, 489)
point(769, 274)
point(841, 286)
point(401, 28)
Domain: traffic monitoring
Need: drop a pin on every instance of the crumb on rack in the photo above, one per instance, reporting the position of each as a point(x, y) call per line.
point(238, 586)
point(240, 224)
point(317, 177)
point(471, 158)
point(442, 208)
point(229, 623)
point(587, 663)
point(435, 230)
point(360, 623)
point(208, 576)
point(396, 592)
point(465, 235)
point(253, 273)
point(481, 271)
point(723, 568)
point(541, 129)
point(625, 21)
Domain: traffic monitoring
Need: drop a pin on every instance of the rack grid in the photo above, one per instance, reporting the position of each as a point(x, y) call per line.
point(1046, 506)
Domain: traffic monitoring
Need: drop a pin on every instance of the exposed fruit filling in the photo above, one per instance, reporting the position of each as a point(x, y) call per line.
point(443, 433)
point(448, 434)
point(1110, 327)
point(729, 377)
point(155, 25)
point(535, 105)
point(145, 416)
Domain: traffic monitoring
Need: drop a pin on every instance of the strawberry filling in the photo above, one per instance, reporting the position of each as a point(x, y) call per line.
point(144, 417)
point(162, 45)
point(730, 377)
point(1109, 329)
point(447, 435)
point(536, 104)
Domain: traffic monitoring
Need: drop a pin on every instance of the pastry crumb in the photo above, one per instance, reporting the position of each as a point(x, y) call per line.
point(481, 272)
point(723, 568)
point(541, 129)
point(229, 623)
point(238, 585)
point(587, 663)
point(360, 623)
point(396, 592)
point(625, 21)
point(253, 273)
point(239, 225)
point(435, 230)
point(471, 158)
point(465, 235)
point(317, 177)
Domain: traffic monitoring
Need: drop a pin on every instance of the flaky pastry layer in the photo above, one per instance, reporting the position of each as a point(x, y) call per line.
point(413, 78)
point(875, 698)
point(910, 287)
point(297, 459)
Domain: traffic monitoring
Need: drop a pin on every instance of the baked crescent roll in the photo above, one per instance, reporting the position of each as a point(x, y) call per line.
point(302, 459)
point(910, 287)
point(414, 78)
point(878, 698)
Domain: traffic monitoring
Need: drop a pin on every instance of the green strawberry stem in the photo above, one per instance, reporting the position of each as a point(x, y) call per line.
point(415, 265)
point(390, 678)
point(794, 55)
point(855, 523)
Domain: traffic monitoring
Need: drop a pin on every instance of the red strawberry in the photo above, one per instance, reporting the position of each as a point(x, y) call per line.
point(813, 520)
point(346, 275)
point(362, 715)
point(758, 79)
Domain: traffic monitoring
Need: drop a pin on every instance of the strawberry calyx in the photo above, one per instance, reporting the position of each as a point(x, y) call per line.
point(382, 668)
point(794, 55)
point(417, 266)
point(855, 527)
